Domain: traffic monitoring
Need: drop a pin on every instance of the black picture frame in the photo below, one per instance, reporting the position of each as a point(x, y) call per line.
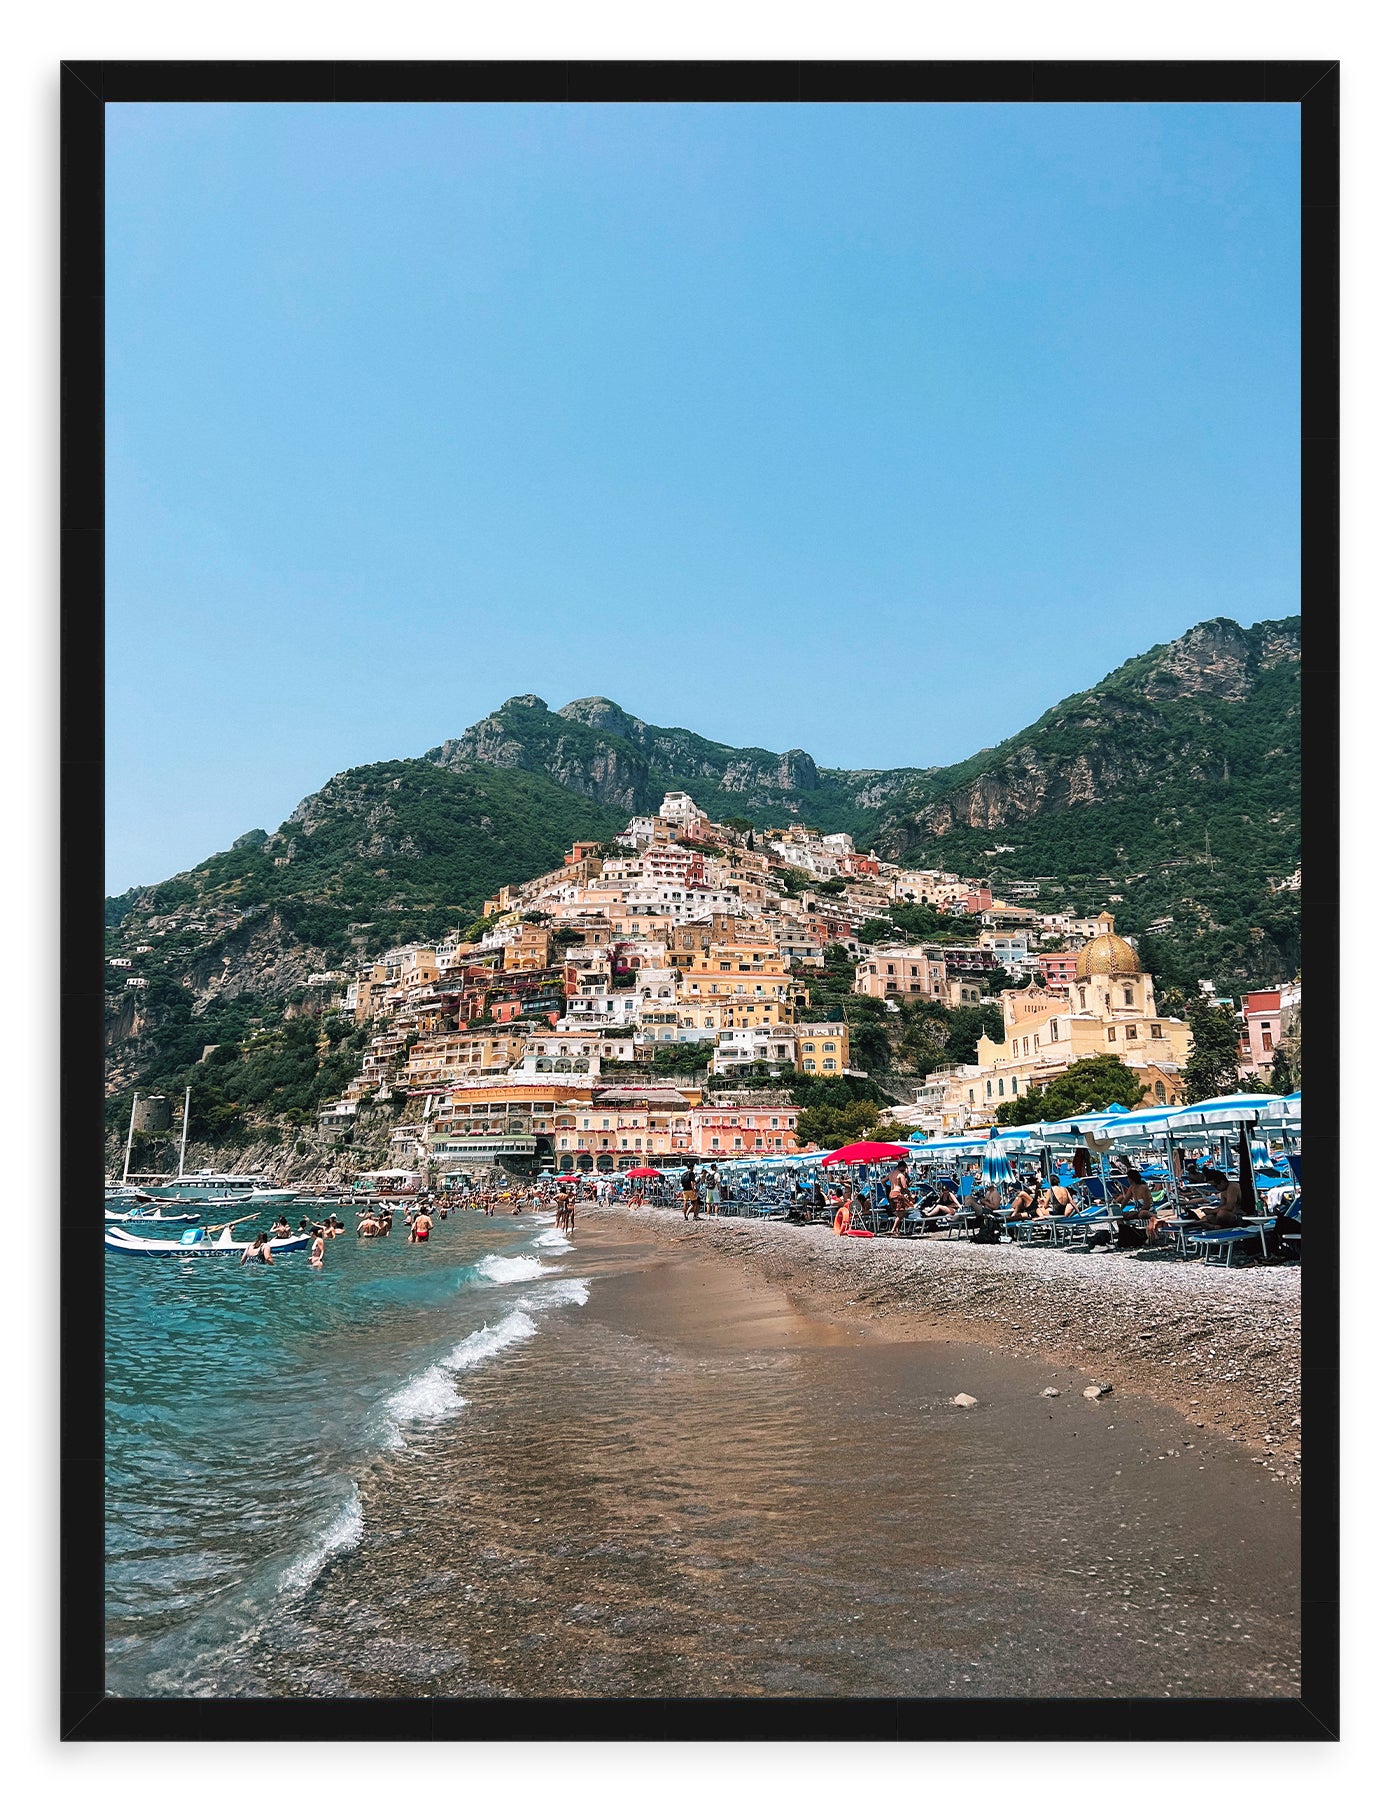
point(86, 1711)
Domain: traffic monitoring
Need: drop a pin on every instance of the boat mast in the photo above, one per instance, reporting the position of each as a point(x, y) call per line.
point(184, 1134)
point(126, 1167)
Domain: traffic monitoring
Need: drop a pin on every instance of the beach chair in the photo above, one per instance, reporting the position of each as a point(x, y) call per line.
point(1224, 1240)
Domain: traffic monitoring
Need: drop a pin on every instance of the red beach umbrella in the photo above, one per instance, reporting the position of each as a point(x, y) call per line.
point(865, 1151)
point(566, 1179)
point(645, 1171)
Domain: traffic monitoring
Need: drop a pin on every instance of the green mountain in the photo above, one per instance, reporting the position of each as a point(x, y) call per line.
point(1169, 792)
point(613, 758)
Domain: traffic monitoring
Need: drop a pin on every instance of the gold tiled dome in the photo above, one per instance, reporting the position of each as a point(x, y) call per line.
point(1108, 955)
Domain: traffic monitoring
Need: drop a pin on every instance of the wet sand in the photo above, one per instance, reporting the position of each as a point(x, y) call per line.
point(698, 1485)
point(1220, 1346)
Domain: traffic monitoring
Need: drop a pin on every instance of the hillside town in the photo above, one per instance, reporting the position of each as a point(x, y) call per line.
point(642, 1003)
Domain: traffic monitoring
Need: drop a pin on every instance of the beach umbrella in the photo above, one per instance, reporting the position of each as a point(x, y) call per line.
point(1223, 1111)
point(865, 1151)
point(641, 1174)
point(996, 1166)
point(566, 1179)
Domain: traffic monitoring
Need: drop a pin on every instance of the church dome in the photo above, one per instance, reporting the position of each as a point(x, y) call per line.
point(1108, 955)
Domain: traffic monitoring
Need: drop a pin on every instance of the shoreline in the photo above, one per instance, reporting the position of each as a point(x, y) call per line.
point(1220, 1347)
point(713, 1479)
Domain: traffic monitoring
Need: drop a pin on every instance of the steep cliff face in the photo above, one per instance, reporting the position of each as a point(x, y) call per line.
point(597, 749)
point(1177, 715)
point(1170, 791)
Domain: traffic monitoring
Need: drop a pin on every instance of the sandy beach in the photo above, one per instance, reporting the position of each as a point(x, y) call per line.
point(738, 1471)
point(1221, 1347)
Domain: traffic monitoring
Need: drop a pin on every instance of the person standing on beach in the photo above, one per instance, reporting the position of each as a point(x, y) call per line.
point(842, 1223)
point(901, 1199)
point(712, 1190)
point(689, 1203)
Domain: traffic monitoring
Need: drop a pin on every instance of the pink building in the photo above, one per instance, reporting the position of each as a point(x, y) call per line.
point(1056, 966)
point(1265, 1019)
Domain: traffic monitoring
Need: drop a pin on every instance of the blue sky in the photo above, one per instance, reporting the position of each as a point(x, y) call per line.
point(873, 430)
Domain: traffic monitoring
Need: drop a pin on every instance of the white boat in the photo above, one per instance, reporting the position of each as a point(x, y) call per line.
point(153, 1214)
point(115, 1194)
point(209, 1188)
point(206, 1188)
point(194, 1244)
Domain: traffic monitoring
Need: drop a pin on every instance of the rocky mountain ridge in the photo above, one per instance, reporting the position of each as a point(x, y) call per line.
point(1170, 790)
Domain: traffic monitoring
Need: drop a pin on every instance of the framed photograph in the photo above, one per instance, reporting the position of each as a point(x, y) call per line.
point(710, 692)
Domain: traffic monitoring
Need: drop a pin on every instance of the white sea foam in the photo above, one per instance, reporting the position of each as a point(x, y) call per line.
point(510, 1270)
point(552, 1240)
point(343, 1534)
point(573, 1291)
point(486, 1341)
point(432, 1394)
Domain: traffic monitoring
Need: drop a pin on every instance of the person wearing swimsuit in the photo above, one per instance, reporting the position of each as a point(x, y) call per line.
point(422, 1226)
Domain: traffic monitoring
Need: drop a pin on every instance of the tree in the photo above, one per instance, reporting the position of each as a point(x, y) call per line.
point(870, 1046)
point(1213, 1067)
point(737, 823)
point(1000, 978)
point(1087, 1086)
point(966, 1026)
point(834, 1125)
point(872, 931)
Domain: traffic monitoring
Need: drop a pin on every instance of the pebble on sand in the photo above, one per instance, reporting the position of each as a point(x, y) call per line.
point(1049, 1392)
point(1095, 1390)
point(964, 1401)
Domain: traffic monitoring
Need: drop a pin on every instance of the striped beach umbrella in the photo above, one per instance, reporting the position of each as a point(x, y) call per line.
point(996, 1166)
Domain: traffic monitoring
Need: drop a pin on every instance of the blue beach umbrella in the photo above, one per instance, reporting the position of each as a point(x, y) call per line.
point(996, 1166)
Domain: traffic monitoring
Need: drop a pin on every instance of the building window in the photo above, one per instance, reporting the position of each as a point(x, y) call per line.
point(1132, 1032)
point(1054, 1029)
point(1156, 1032)
point(1112, 1034)
point(1159, 1091)
point(1013, 1085)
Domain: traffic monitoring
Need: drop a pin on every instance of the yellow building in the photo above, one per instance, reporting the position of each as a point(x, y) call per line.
point(529, 950)
point(449, 1056)
point(822, 1047)
point(737, 971)
point(1109, 1009)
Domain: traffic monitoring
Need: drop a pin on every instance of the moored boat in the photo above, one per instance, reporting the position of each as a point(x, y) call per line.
point(210, 1188)
point(154, 1215)
point(196, 1244)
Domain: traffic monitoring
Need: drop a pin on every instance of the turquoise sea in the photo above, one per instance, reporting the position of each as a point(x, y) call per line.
point(246, 1405)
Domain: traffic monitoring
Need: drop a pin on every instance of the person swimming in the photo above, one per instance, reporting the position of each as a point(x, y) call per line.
point(259, 1252)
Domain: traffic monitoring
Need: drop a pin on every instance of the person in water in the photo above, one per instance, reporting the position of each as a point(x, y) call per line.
point(368, 1228)
point(318, 1250)
point(259, 1252)
point(422, 1226)
point(280, 1228)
